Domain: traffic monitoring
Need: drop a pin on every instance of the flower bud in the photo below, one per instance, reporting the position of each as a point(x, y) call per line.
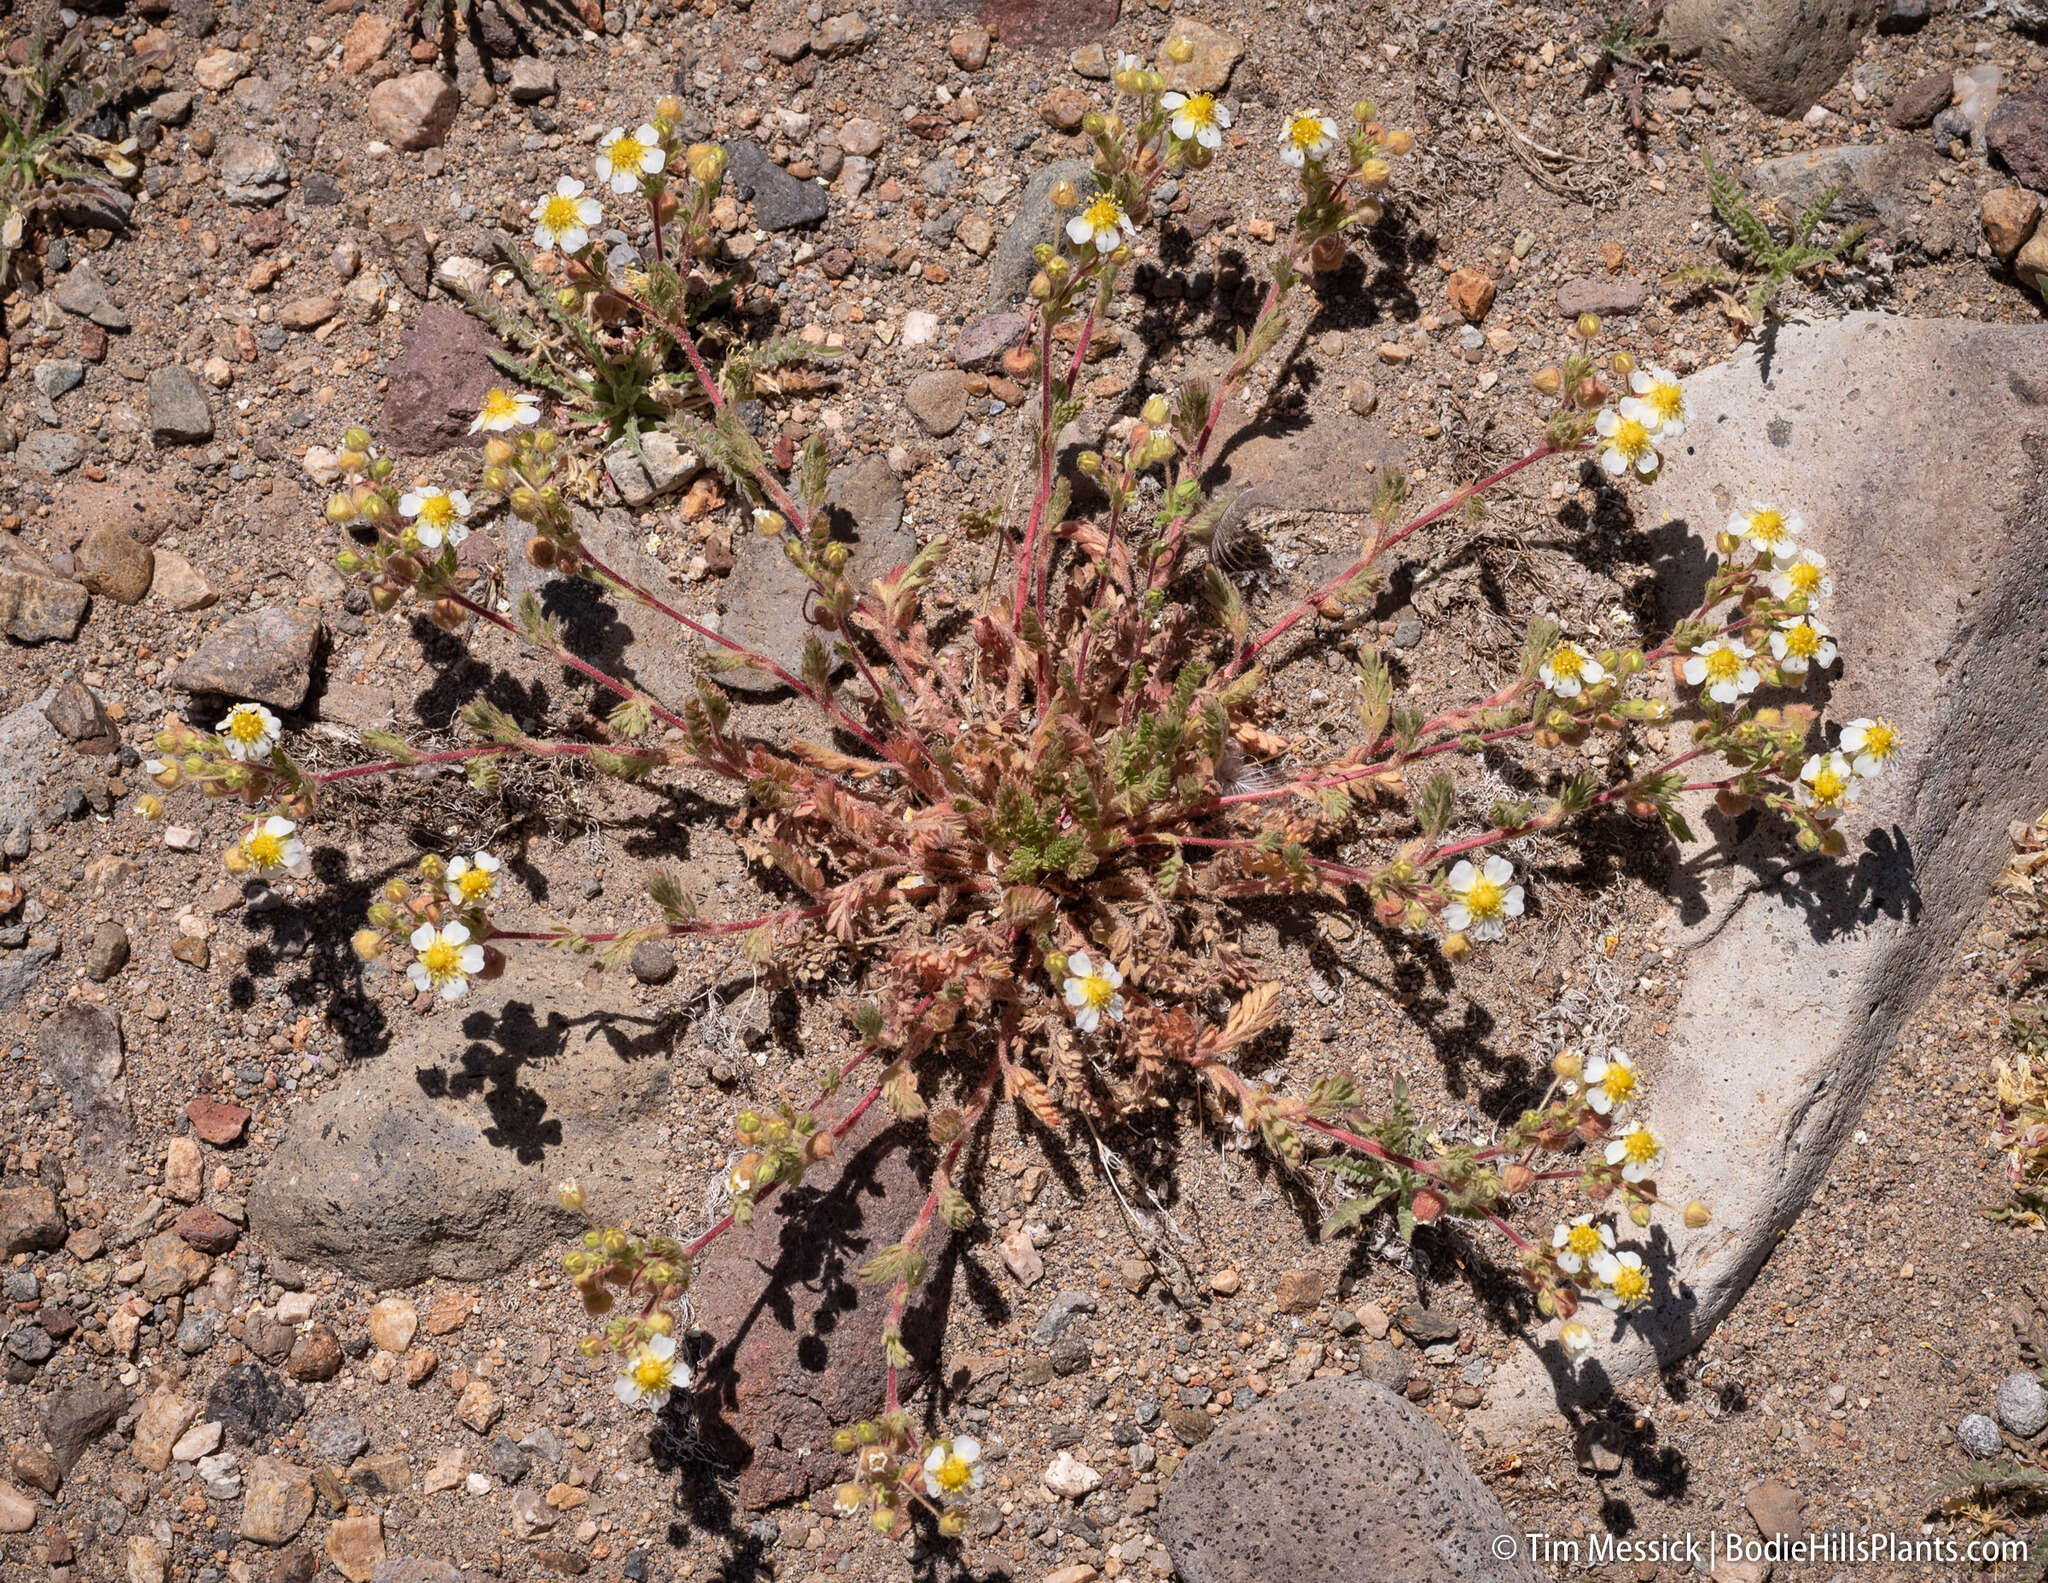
point(1517, 1178)
point(372, 507)
point(1064, 194)
point(1623, 365)
point(340, 509)
point(769, 524)
point(952, 1524)
point(356, 439)
point(1576, 1339)
point(1371, 211)
point(496, 479)
point(707, 163)
point(1180, 49)
point(659, 1274)
point(1567, 1065)
point(367, 944)
point(1041, 287)
point(525, 503)
point(164, 774)
point(1427, 1204)
point(1399, 143)
point(1374, 175)
point(570, 1194)
point(668, 109)
point(1155, 411)
point(1326, 253)
point(1697, 1214)
point(1364, 112)
point(1588, 326)
point(499, 451)
point(1639, 1215)
point(1456, 947)
point(867, 1432)
point(1020, 362)
point(235, 861)
point(884, 1520)
point(1090, 464)
point(149, 807)
point(381, 468)
point(842, 1442)
point(541, 552)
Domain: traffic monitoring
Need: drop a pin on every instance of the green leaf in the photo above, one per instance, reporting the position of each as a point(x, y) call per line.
point(1435, 804)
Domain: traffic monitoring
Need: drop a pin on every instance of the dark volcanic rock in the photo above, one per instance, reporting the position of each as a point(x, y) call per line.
point(781, 202)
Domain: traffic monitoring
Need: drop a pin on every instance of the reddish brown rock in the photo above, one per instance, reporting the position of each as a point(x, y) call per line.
point(786, 1374)
point(217, 1121)
point(438, 382)
point(1048, 24)
point(1471, 293)
point(208, 1231)
point(315, 1356)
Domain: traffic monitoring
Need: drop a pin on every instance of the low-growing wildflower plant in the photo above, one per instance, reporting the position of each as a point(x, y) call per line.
point(1034, 833)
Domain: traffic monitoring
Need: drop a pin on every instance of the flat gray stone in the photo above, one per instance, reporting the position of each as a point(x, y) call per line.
point(37, 608)
point(1884, 182)
point(81, 1046)
point(1800, 973)
point(266, 655)
point(1011, 266)
point(440, 1157)
point(781, 202)
point(179, 413)
point(1338, 1480)
point(764, 595)
point(83, 292)
point(51, 452)
point(1780, 55)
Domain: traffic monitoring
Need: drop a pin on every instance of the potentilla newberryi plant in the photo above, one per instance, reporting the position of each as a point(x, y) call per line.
point(1046, 822)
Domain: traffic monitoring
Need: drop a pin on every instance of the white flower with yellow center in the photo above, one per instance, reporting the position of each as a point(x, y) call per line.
point(1636, 1150)
point(1624, 1281)
point(1103, 225)
point(652, 1372)
point(626, 158)
point(1576, 1339)
point(1091, 989)
point(505, 409)
point(953, 1467)
point(437, 515)
point(473, 881)
point(1580, 1243)
point(1570, 669)
point(1196, 118)
point(272, 844)
point(1627, 433)
point(1721, 665)
point(1307, 138)
point(1771, 531)
point(1482, 899)
point(1804, 574)
point(1610, 1082)
point(1802, 644)
point(1659, 390)
point(1870, 745)
point(562, 219)
point(250, 732)
point(1827, 785)
point(447, 959)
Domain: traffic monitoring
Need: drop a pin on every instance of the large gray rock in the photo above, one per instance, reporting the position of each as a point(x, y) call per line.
point(81, 1045)
point(29, 748)
point(440, 1156)
point(266, 655)
point(764, 597)
point(1801, 972)
point(1882, 182)
point(1781, 55)
point(1011, 267)
point(1339, 1480)
point(36, 607)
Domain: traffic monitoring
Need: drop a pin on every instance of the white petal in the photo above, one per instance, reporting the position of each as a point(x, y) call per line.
point(1457, 917)
point(1499, 870)
point(422, 937)
point(1081, 965)
point(455, 933)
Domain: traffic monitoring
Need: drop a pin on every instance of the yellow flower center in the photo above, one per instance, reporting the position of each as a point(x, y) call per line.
point(1804, 578)
point(1767, 527)
point(1484, 899)
point(651, 1373)
point(1097, 991)
point(437, 510)
point(1102, 215)
point(1585, 1241)
point(499, 406)
point(1631, 1283)
point(628, 153)
point(1617, 1083)
point(441, 959)
point(1802, 642)
point(559, 214)
point(1640, 1147)
point(245, 726)
point(1201, 110)
point(954, 1474)
point(1666, 399)
point(475, 884)
point(1724, 665)
point(1880, 740)
point(1630, 438)
point(1567, 664)
point(264, 849)
point(1305, 132)
point(1829, 785)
